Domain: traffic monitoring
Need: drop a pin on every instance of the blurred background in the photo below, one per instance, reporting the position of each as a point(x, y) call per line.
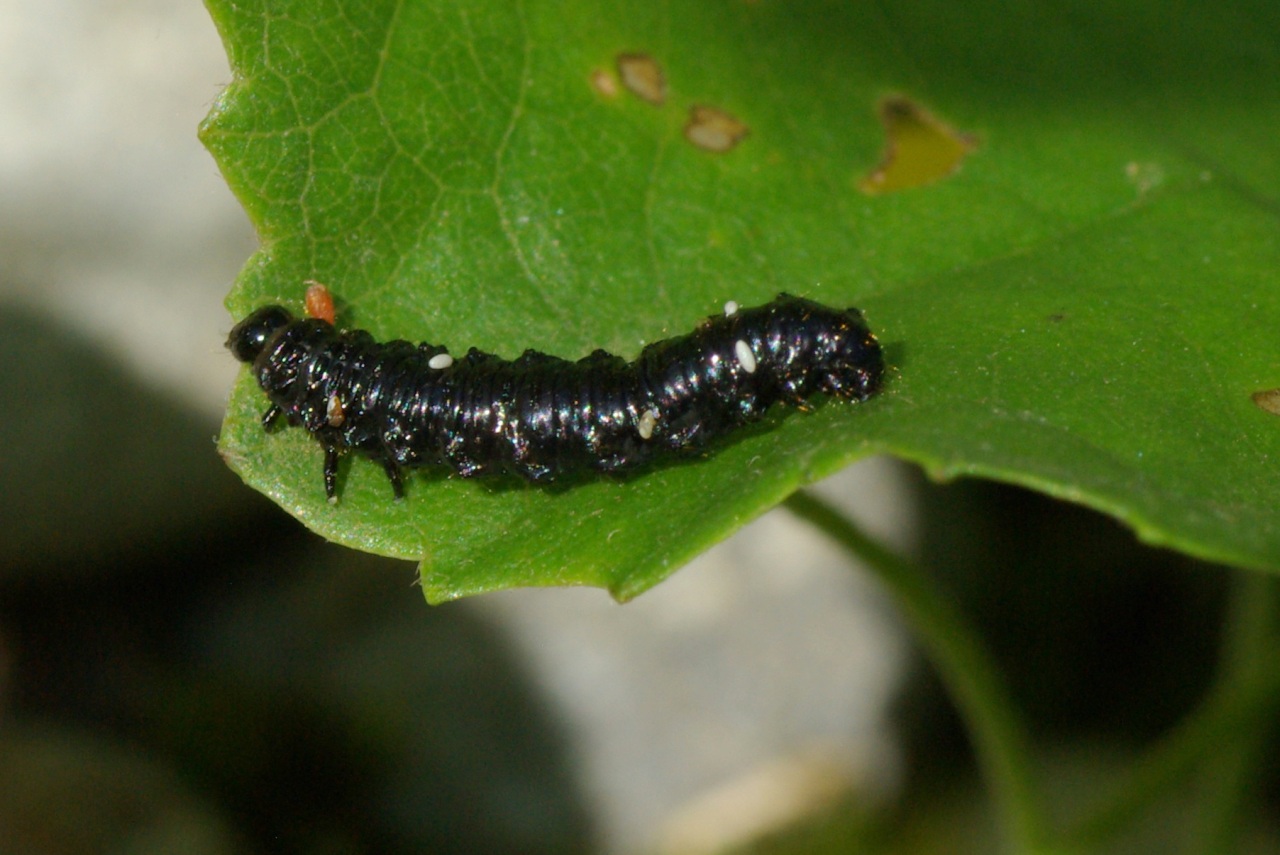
point(183, 668)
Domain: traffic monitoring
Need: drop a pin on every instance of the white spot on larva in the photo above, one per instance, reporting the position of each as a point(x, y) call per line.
point(334, 413)
point(440, 361)
point(731, 308)
point(746, 358)
point(648, 421)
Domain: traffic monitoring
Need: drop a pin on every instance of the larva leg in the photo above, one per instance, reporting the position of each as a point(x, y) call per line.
point(393, 473)
point(535, 472)
point(331, 474)
point(270, 416)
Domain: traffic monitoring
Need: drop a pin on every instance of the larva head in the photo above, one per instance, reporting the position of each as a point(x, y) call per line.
point(250, 336)
point(852, 366)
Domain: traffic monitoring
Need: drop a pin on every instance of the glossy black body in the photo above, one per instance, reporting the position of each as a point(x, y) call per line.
point(541, 416)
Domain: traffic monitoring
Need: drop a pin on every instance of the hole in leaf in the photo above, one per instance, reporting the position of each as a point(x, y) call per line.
point(642, 75)
point(920, 149)
point(1268, 400)
point(713, 129)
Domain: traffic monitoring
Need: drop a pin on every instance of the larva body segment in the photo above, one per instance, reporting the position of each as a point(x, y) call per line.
point(541, 416)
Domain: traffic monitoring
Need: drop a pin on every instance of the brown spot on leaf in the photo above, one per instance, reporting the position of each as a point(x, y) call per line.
point(1268, 399)
point(642, 75)
point(713, 129)
point(919, 149)
point(604, 83)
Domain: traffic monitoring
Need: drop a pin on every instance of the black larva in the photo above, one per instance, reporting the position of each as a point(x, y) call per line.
point(540, 416)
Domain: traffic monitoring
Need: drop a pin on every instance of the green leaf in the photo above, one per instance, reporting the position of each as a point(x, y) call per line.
point(1085, 306)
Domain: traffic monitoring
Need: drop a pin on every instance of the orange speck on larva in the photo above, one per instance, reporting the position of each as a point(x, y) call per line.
point(319, 302)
